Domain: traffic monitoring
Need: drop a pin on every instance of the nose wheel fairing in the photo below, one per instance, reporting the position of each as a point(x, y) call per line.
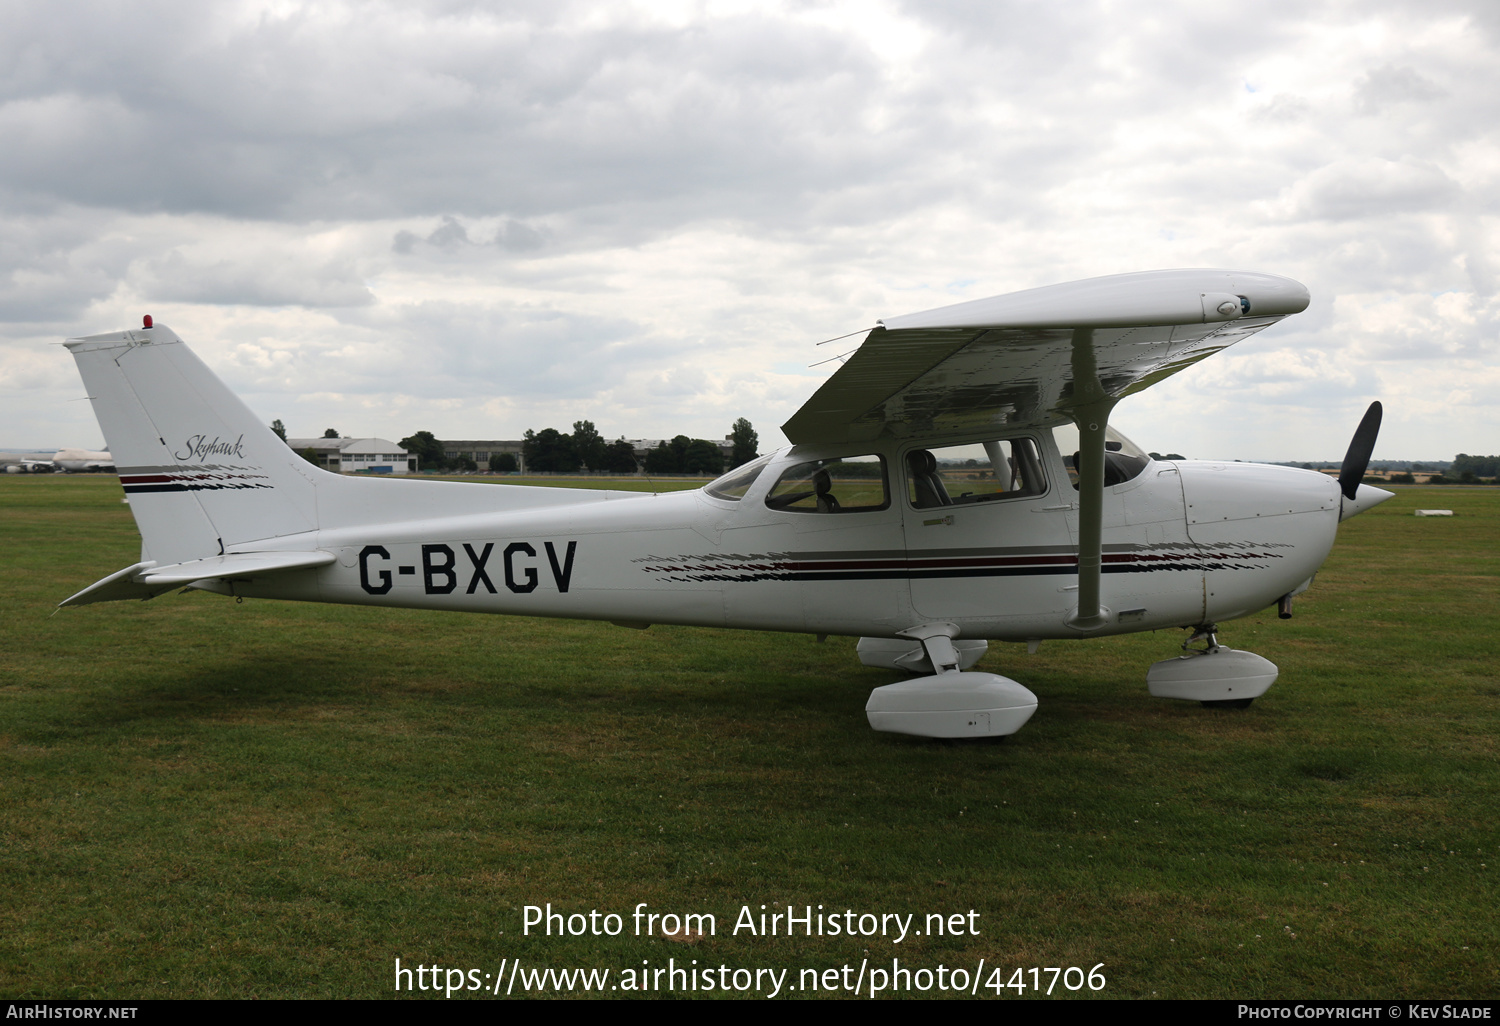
point(1213, 675)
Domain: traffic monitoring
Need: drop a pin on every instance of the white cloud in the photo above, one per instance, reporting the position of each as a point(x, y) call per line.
point(1366, 189)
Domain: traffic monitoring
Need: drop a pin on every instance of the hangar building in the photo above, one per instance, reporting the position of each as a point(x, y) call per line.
point(346, 455)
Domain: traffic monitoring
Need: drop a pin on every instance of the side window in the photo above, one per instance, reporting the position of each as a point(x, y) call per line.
point(979, 472)
point(845, 484)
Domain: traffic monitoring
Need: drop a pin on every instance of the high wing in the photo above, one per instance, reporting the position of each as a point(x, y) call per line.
point(1027, 358)
point(1039, 357)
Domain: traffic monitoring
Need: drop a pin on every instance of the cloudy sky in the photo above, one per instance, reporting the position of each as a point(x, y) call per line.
point(478, 218)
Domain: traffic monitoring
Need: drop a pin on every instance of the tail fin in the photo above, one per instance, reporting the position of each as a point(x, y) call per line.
point(202, 472)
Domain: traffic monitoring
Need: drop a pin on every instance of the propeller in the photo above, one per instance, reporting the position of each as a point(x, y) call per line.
point(1360, 448)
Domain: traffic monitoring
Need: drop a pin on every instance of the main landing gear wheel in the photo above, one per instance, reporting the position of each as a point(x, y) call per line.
point(1228, 703)
point(947, 703)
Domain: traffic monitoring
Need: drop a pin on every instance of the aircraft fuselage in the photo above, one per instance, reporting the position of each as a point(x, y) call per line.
point(1185, 543)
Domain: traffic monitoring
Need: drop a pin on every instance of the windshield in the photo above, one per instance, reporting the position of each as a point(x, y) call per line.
point(1067, 440)
point(737, 482)
point(1123, 459)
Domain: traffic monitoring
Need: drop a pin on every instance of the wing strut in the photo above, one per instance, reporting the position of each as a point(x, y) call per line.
point(1090, 411)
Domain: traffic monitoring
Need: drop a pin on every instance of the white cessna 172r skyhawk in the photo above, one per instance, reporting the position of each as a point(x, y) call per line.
point(932, 498)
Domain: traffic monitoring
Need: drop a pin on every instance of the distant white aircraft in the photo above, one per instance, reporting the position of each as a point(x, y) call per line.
point(931, 500)
point(79, 460)
point(26, 462)
point(63, 459)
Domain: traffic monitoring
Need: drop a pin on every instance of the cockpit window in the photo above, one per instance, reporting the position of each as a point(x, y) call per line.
point(979, 472)
point(1123, 459)
point(737, 482)
point(845, 484)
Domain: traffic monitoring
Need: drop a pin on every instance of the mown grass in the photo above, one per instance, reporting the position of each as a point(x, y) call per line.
point(204, 799)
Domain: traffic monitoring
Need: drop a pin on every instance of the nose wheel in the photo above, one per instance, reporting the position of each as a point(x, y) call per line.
point(1227, 703)
point(1209, 673)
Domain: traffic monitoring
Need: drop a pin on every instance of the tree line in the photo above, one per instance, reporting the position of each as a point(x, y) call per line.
point(550, 451)
point(1476, 466)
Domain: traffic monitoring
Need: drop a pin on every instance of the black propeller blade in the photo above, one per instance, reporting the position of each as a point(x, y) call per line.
point(1360, 448)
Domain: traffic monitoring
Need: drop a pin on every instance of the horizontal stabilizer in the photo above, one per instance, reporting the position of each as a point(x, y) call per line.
point(147, 580)
point(236, 564)
point(122, 584)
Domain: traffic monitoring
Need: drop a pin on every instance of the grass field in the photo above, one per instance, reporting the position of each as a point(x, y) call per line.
point(205, 799)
